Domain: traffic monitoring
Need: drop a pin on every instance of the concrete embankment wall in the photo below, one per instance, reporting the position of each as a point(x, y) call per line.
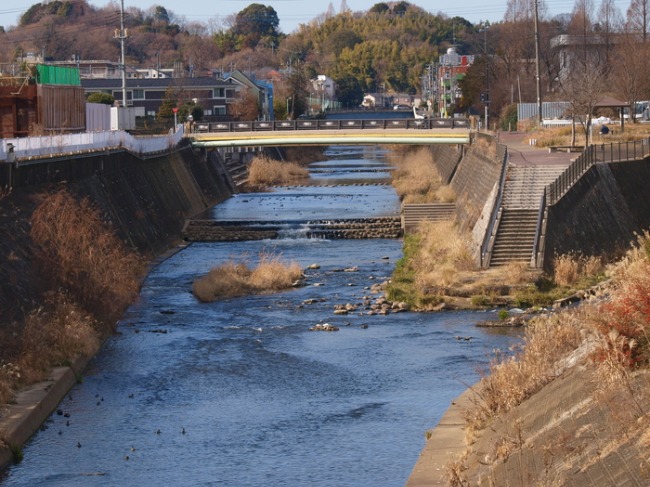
point(446, 158)
point(146, 200)
point(600, 214)
point(474, 181)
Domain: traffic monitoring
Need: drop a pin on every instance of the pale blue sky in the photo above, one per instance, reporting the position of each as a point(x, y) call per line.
point(294, 12)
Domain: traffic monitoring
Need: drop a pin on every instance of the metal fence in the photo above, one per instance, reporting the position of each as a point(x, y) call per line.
point(615, 152)
point(550, 110)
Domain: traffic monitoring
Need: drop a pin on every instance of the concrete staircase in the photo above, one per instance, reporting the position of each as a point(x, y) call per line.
point(237, 169)
point(413, 214)
point(515, 237)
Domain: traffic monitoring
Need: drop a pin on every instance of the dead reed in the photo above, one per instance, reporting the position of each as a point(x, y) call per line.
point(268, 172)
point(416, 178)
point(238, 279)
point(81, 254)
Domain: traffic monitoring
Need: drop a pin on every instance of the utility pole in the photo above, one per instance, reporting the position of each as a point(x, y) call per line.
point(122, 36)
point(537, 77)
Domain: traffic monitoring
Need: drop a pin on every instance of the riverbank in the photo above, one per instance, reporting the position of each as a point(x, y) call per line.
point(568, 409)
point(146, 202)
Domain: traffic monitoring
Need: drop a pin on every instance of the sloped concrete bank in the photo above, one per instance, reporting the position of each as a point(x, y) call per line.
point(147, 201)
point(569, 433)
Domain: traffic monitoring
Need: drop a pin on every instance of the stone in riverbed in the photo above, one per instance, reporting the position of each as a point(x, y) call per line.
point(324, 327)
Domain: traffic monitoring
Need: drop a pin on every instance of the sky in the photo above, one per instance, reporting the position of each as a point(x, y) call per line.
point(292, 13)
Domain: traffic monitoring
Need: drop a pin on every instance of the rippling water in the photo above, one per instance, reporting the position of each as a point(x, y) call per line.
point(241, 393)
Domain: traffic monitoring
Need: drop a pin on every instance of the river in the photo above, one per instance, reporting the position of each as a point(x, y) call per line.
point(240, 392)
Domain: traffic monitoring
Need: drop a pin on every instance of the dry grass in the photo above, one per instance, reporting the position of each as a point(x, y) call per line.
point(268, 172)
point(91, 279)
point(55, 335)
point(569, 269)
point(238, 279)
point(612, 334)
point(515, 377)
point(416, 178)
point(81, 254)
point(436, 258)
point(562, 135)
point(442, 255)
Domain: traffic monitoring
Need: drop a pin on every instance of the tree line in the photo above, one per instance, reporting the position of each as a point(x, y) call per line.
point(385, 49)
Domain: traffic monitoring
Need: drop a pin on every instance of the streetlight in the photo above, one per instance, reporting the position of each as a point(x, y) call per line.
point(290, 98)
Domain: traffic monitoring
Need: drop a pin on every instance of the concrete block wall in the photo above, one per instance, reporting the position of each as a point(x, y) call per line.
point(473, 182)
point(148, 201)
point(446, 158)
point(601, 213)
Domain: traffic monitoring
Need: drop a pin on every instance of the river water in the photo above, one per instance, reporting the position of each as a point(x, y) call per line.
point(240, 392)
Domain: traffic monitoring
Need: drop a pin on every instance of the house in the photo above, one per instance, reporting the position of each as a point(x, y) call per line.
point(211, 93)
point(262, 90)
point(376, 100)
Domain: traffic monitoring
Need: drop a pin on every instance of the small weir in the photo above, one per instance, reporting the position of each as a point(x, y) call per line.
point(230, 231)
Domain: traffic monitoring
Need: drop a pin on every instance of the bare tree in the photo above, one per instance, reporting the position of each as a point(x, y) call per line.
point(631, 69)
point(587, 76)
point(637, 17)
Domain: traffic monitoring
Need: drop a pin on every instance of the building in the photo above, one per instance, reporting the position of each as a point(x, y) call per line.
point(212, 93)
point(48, 100)
point(451, 68)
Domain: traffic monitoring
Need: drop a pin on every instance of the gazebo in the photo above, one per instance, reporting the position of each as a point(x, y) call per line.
point(611, 102)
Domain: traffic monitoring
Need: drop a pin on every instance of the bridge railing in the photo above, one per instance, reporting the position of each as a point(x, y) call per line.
point(288, 125)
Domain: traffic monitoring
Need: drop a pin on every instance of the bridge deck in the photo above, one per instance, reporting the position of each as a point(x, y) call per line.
point(332, 137)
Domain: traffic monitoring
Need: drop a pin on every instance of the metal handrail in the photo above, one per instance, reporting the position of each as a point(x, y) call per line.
point(603, 153)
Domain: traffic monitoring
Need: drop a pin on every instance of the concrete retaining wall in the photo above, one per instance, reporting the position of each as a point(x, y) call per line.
point(474, 180)
point(601, 213)
point(446, 159)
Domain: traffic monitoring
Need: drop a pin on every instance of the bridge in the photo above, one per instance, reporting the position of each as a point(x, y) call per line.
point(331, 132)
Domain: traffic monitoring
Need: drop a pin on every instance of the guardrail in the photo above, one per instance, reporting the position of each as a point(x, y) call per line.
point(289, 125)
point(603, 153)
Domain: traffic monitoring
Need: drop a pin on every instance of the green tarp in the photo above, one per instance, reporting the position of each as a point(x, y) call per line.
point(57, 75)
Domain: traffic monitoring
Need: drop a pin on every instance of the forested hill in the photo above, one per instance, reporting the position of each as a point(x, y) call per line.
point(386, 47)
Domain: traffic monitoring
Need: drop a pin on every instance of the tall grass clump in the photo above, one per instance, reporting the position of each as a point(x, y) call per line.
point(570, 269)
point(238, 279)
point(267, 172)
point(80, 254)
point(433, 260)
point(55, 335)
point(416, 179)
point(514, 377)
point(624, 322)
